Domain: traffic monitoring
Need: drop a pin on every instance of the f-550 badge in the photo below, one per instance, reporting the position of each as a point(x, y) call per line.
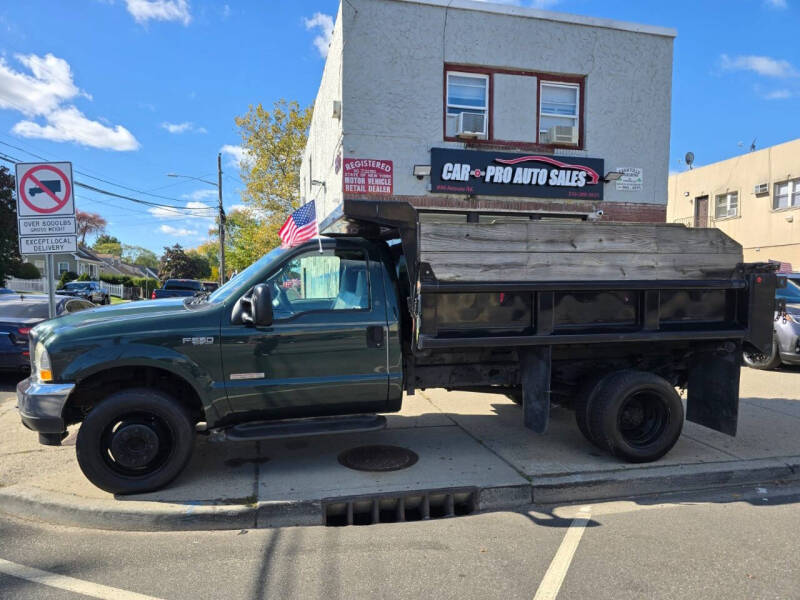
point(198, 341)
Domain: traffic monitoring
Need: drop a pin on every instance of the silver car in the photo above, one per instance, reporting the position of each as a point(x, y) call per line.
point(786, 338)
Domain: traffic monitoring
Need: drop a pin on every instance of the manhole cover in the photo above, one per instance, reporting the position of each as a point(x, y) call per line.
point(378, 458)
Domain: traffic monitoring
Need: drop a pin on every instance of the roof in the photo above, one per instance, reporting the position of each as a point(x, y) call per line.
point(783, 146)
point(547, 15)
point(83, 253)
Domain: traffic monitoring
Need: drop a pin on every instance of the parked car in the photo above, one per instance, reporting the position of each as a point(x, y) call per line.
point(178, 287)
point(5, 291)
point(786, 341)
point(210, 286)
point(88, 290)
point(18, 314)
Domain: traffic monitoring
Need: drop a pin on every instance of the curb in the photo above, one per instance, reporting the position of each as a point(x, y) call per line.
point(581, 487)
point(37, 504)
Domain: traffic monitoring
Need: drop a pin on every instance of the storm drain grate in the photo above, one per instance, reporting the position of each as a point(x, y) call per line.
point(394, 508)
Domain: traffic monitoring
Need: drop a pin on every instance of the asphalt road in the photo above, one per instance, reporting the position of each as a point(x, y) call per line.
point(731, 544)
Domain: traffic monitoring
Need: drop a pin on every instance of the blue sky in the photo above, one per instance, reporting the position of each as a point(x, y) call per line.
point(129, 90)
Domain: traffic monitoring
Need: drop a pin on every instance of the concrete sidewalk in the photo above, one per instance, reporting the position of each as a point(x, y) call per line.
point(466, 442)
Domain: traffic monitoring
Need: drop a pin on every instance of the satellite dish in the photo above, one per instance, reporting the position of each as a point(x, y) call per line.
point(689, 159)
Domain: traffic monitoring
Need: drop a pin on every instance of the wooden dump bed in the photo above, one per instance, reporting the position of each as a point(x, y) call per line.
point(542, 250)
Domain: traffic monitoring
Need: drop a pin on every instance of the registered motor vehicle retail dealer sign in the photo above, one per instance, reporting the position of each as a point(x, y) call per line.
point(456, 171)
point(45, 208)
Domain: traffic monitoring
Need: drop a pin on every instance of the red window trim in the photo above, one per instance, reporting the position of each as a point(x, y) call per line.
point(541, 77)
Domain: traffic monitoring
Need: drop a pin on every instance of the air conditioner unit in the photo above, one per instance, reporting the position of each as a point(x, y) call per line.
point(471, 125)
point(562, 134)
point(761, 188)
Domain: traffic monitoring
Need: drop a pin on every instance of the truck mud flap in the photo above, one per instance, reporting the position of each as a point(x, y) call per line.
point(535, 375)
point(713, 397)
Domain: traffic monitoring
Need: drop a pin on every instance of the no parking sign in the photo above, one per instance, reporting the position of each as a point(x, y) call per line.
point(45, 208)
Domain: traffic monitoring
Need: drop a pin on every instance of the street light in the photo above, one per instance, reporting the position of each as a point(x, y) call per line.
point(217, 185)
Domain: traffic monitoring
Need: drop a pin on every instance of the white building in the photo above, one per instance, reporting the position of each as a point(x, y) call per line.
point(472, 88)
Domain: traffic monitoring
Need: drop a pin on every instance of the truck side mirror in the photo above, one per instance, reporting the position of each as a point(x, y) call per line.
point(261, 303)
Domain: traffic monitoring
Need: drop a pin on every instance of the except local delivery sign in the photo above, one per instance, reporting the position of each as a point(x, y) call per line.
point(368, 176)
point(506, 174)
point(45, 208)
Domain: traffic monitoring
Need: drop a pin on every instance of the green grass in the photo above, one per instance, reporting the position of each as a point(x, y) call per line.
point(115, 300)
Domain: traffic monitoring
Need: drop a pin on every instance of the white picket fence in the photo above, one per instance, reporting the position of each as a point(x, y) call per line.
point(40, 285)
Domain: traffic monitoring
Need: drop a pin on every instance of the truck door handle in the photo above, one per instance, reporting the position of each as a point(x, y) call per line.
point(375, 336)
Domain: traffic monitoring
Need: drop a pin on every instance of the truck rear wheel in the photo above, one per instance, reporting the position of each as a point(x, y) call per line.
point(135, 441)
point(636, 416)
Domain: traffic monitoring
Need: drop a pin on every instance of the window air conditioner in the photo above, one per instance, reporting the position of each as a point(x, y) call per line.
point(562, 134)
point(471, 125)
point(761, 188)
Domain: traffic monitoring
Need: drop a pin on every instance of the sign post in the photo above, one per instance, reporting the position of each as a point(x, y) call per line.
point(46, 214)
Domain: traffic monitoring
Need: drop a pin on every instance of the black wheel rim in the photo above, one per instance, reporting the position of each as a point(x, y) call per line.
point(756, 358)
point(137, 444)
point(642, 419)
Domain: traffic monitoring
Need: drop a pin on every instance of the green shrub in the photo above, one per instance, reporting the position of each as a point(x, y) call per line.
point(84, 277)
point(28, 271)
point(66, 277)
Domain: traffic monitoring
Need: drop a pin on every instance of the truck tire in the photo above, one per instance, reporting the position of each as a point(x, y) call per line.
point(582, 405)
point(764, 362)
point(636, 416)
point(135, 441)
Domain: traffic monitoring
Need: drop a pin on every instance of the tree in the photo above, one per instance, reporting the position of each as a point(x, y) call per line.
point(89, 223)
point(176, 264)
point(10, 260)
point(200, 264)
point(274, 143)
point(247, 239)
point(108, 244)
point(136, 255)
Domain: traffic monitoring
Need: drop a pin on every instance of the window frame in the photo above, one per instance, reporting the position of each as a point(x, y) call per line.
point(542, 76)
point(487, 98)
point(793, 191)
point(66, 269)
point(727, 196)
point(333, 251)
point(578, 112)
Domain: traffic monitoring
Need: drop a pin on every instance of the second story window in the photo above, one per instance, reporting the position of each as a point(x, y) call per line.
point(467, 104)
point(559, 113)
point(726, 205)
point(787, 194)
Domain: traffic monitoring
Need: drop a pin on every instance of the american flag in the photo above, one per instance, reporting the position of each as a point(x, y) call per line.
point(300, 227)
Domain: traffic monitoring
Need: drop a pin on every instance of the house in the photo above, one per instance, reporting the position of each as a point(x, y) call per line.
point(455, 104)
point(80, 262)
point(753, 197)
point(113, 265)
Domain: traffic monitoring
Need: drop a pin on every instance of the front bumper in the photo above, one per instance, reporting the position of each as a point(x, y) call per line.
point(41, 405)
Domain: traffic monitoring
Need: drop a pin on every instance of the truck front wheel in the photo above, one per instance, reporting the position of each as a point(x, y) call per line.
point(135, 441)
point(635, 415)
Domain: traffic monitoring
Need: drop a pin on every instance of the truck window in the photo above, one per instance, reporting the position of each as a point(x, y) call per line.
point(316, 281)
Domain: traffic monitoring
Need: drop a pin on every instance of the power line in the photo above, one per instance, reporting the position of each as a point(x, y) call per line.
point(119, 185)
point(177, 209)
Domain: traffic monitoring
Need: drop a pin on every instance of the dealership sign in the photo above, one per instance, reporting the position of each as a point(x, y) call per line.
point(368, 176)
point(506, 174)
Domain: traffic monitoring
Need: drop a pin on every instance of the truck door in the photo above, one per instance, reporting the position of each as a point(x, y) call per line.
point(325, 352)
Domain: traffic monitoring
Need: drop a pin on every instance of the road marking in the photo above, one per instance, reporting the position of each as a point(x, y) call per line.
point(70, 584)
point(551, 583)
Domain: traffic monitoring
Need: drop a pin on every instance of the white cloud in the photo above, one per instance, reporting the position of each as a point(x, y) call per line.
point(178, 231)
point(778, 95)
point(44, 93)
point(238, 156)
point(192, 210)
point(324, 23)
point(779, 4)
point(70, 125)
point(763, 65)
point(182, 127)
point(200, 194)
point(159, 10)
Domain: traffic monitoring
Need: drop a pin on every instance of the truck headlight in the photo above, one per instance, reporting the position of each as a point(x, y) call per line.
point(41, 363)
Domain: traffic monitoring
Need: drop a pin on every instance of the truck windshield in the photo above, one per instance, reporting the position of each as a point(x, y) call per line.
point(238, 282)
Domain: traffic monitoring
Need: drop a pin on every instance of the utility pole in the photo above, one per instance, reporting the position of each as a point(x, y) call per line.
point(221, 222)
